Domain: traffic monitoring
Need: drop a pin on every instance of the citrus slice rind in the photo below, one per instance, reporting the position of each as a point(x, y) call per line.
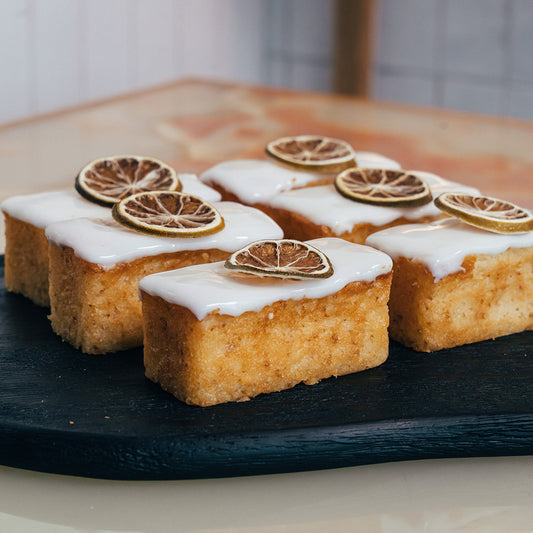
point(108, 180)
point(169, 214)
point(383, 187)
point(312, 152)
point(282, 258)
point(492, 214)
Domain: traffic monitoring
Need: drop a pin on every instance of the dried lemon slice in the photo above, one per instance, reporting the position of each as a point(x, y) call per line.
point(484, 212)
point(312, 152)
point(168, 213)
point(378, 186)
point(107, 181)
point(284, 258)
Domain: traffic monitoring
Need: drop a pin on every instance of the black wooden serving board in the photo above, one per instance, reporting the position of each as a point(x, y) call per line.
point(98, 416)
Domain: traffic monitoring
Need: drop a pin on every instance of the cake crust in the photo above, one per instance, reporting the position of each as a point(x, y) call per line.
point(490, 297)
point(299, 227)
point(26, 260)
point(99, 311)
point(225, 358)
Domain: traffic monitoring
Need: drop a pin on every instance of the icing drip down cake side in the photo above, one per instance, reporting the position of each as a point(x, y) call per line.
point(213, 336)
point(96, 266)
point(455, 284)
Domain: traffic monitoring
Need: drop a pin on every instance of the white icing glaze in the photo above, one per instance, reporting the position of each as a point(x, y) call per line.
point(256, 181)
point(253, 180)
point(210, 287)
point(443, 245)
point(192, 185)
point(373, 160)
point(104, 242)
point(324, 206)
point(45, 208)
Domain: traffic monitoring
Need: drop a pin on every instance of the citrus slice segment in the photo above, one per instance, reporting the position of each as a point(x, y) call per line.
point(283, 258)
point(168, 213)
point(384, 187)
point(107, 181)
point(498, 216)
point(312, 152)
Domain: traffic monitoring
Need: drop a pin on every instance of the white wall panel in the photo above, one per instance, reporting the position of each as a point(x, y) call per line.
point(519, 103)
point(475, 37)
point(220, 39)
point(57, 53)
point(278, 20)
point(155, 32)
point(109, 48)
point(298, 43)
point(521, 38)
point(473, 55)
point(245, 40)
point(401, 87)
point(473, 96)
point(197, 38)
point(16, 61)
point(311, 27)
point(406, 33)
point(312, 77)
point(278, 72)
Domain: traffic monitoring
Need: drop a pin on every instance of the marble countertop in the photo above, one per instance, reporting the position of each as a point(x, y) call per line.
point(193, 124)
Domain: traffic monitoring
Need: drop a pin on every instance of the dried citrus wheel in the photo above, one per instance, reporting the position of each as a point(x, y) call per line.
point(284, 258)
point(168, 213)
point(312, 152)
point(484, 212)
point(107, 181)
point(379, 186)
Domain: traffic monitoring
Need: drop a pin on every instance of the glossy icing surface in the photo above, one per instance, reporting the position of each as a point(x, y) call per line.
point(210, 287)
point(256, 181)
point(443, 245)
point(324, 206)
point(193, 185)
point(45, 208)
point(105, 242)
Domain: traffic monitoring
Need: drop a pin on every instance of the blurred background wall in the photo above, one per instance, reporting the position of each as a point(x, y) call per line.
point(473, 55)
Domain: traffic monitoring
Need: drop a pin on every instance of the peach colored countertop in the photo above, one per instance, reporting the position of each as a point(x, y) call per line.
point(193, 124)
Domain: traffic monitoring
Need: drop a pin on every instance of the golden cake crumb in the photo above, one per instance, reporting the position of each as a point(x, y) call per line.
point(233, 358)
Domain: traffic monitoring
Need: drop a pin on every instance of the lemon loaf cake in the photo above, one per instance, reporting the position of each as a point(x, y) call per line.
point(255, 181)
point(27, 216)
point(455, 284)
point(322, 211)
point(96, 264)
point(26, 256)
point(213, 335)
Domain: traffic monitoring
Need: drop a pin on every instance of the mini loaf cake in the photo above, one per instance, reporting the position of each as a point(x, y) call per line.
point(27, 216)
point(96, 264)
point(323, 212)
point(26, 256)
point(255, 182)
point(213, 335)
point(455, 284)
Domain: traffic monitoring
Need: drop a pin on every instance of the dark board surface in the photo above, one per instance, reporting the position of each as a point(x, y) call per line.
point(98, 416)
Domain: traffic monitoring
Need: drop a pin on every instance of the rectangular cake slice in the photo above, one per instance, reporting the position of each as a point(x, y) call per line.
point(27, 216)
point(26, 256)
point(315, 212)
point(255, 181)
point(455, 284)
point(213, 335)
point(96, 265)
